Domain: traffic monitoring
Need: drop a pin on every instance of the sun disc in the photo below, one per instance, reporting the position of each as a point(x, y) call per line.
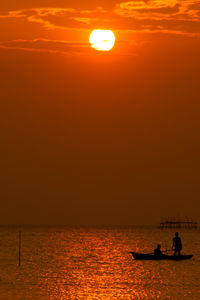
point(102, 40)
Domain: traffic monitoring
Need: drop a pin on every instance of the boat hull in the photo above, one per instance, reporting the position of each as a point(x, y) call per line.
point(140, 256)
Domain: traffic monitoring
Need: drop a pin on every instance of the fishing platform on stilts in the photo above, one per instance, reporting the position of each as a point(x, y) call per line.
point(186, 223)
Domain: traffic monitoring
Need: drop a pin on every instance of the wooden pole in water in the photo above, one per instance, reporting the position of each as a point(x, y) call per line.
point(20, 242)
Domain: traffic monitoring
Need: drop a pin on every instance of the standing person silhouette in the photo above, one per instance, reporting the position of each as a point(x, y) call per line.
point(177, 244)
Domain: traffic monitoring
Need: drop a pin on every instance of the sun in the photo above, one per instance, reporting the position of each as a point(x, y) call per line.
point(102, 40)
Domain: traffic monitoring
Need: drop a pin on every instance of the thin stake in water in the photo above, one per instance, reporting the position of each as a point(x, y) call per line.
point(20, 241)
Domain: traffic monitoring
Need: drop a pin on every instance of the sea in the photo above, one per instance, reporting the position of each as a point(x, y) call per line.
point(65, 262)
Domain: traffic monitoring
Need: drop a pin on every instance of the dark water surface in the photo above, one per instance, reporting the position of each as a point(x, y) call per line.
point(95, 263)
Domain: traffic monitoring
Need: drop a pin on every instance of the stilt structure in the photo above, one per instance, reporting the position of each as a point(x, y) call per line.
point(187, 223)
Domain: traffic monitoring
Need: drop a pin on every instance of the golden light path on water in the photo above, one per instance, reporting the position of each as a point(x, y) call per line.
point(102, 40)
point(95, 263)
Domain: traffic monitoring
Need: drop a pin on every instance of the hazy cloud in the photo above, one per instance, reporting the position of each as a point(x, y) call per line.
point(159, 10)
point(180, 17)
point(56, 18)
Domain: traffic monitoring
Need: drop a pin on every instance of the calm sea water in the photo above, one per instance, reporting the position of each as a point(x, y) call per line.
point(95, 263)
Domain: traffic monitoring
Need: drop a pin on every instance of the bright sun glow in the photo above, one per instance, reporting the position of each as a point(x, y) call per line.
point(102, 40)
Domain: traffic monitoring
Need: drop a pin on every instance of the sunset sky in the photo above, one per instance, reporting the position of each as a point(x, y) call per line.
point(94, 137)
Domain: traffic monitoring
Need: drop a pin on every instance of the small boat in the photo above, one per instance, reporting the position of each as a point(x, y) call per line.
point(140, 256)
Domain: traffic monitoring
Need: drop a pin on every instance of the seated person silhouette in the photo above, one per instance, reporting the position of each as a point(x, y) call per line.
point(157, 251)
point(177, 244)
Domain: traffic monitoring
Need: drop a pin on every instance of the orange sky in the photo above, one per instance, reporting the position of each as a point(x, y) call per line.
point(89, 137)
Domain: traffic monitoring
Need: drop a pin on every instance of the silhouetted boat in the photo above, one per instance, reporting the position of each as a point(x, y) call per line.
point(141, 256)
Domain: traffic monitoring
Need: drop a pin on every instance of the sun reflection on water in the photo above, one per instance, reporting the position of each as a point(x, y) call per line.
point(95, 263)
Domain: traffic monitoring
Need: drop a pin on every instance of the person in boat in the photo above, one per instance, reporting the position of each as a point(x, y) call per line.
point(177, 244)
point(157, 251)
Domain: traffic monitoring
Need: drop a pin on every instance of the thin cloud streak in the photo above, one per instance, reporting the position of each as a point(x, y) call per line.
point(44, 45)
